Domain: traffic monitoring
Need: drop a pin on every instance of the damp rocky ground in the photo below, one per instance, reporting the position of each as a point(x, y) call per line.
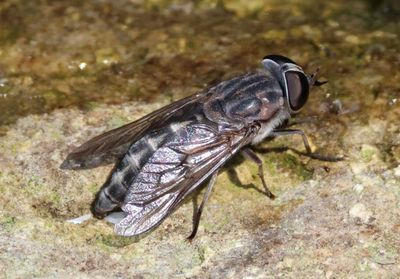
point(70, 70)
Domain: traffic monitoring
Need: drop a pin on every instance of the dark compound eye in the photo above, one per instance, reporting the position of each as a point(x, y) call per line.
point(298, 89)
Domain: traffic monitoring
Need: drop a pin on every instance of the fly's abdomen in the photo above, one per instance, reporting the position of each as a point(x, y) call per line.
point(133, 167)
point(112, 194)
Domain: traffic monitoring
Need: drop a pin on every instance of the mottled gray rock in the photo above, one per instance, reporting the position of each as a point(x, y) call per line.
point(330, 220)
point(328, 226)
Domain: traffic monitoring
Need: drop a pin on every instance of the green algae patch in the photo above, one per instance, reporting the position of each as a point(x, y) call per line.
point(117, 241)
point(7, 223)
point(293, 163)
point(369, 152)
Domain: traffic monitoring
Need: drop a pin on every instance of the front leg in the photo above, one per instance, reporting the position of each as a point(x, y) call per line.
point(309, 153)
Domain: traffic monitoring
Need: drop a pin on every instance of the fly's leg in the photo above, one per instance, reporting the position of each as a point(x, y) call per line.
point(197, 216)
point(289, 132)
point(309, 153)
point(249, 154)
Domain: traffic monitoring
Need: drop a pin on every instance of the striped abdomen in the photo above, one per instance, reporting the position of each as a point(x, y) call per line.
point(131, 166)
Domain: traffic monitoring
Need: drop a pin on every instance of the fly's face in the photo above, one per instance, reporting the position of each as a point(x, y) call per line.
point(294, 82)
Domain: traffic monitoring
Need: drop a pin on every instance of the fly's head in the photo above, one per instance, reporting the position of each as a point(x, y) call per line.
point(294, 82)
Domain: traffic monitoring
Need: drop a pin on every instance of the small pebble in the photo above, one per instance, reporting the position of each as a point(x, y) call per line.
point(397, 171)
point(359, 211)
point(358, 188)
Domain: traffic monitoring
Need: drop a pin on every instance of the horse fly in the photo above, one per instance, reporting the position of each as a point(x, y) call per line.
point(166, 155)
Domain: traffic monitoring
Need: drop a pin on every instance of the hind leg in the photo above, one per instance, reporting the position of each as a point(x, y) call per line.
point(197, 216)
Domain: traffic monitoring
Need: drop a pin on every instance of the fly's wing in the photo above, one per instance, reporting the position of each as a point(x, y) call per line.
point(107, 147)
point(173, 172)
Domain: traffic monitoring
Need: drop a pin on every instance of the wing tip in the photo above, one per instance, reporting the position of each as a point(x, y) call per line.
point(76, 161)
point(70, 164)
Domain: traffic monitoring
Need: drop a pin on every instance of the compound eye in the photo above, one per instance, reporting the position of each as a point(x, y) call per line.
point(298, 89)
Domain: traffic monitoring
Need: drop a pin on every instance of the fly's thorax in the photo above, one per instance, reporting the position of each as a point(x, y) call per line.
point(244, 100)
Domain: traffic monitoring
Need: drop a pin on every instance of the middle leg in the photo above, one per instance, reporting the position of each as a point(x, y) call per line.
point(249, 154)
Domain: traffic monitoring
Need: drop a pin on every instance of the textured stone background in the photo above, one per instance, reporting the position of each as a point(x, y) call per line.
point(69, 71)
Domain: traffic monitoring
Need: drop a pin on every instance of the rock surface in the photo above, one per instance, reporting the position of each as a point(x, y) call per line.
point(330, 220)
point(322, 224)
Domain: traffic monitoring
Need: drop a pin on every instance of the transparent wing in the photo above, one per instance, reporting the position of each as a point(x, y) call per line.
point(175, 171)
point(105, 148)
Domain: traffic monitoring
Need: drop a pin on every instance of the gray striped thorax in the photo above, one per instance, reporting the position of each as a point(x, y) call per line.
point(245, 99)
